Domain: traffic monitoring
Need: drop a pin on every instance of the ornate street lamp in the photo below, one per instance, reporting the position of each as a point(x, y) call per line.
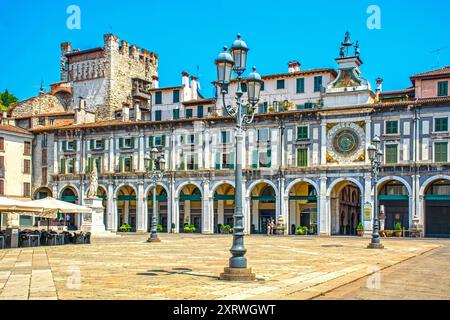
point(376, 159)
point(154, 174)
point(243, 114)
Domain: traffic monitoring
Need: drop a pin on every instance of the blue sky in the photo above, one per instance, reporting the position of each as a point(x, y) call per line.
point(191, 33)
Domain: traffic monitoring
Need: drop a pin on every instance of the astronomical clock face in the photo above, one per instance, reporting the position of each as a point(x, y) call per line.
point(346, 143)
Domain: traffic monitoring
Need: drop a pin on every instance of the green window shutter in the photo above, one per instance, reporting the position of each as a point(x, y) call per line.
point(91, 164)
point(441, 152)
point(280, 84)
point(63, 166)
point(121, 143)
point(218, 160)
point(262, 86)
point(441, 124)
point(301, 85)
point(176, 114)
point(443, 88)
point(224, 137)
point(121, 164)
point(317, 83)
point(189, 113)
point(92, 142)
point(269, 158)
point(151, 141)
point(176, 96)
point(158, 97)
point(64, 146)
point(255, 159)
point(232, 160)
point(103, 143)
point(392, 127)
point(200, 111)
point(133, 142)
point(391, 154)
point(158, 115)
point(302, 133)
point(302, 157)
point(163, 140)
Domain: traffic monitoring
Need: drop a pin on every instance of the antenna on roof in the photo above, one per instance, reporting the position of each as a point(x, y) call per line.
point(437, 52)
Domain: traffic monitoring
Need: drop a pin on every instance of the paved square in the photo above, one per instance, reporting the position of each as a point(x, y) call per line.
point(187, 267)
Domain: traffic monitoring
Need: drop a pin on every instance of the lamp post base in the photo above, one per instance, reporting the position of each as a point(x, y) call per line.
point(375, 246)
point(150, 240)
point(235, 274)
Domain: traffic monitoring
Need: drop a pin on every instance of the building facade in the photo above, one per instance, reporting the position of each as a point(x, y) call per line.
point(305, 154)
point(15, 168)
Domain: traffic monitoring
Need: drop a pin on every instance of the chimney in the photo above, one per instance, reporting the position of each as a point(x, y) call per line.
point(5, 117)
point(185, 79)
point(82, 105)
point(66, 47)
point(155, 82)
point(194, 93)
point(296, 66)
point(290, 68)
point(379, 88)
point(125, 113)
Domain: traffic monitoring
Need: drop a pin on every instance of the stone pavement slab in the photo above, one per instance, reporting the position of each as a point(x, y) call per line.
point(187, 267)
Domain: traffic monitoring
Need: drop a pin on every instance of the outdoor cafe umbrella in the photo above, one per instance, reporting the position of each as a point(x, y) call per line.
point(8, 205)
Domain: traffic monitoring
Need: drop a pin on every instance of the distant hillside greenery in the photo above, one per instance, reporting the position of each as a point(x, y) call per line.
point(6, 99)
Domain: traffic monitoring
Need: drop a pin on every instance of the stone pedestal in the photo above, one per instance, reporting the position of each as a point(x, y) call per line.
point(375, 246)
point(235, 274)
point(93, 223)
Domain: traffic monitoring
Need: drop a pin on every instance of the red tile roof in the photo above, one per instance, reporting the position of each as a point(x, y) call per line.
point(438, 72)
point(9, 128)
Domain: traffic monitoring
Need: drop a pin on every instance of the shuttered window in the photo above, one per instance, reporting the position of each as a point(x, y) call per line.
point(158, 115)
point(317, 83)
point(302, 133)
point(158, 97)
point(441, 124)
point(441, 152)
point(176, 114)
point(443, 88)
point(392, 127)
point(302, 157)
point(280, 84)
point(301, 85)
point(391, 154)
point(176, 96)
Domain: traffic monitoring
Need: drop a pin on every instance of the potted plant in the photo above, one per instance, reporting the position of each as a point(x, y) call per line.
point(189, 228)
point(398, 230)
point(301, 231)
point(225, 229)
point(360, 230)
point(159, 228)
point(125, 228)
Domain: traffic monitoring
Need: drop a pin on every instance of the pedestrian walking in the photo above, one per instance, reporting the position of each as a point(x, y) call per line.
point(269, 227)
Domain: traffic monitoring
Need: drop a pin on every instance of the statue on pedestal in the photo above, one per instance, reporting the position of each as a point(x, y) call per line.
point(93, 187)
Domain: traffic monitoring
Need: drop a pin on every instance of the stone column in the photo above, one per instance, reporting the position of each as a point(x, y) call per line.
point(368, 198)
point(206, 212)
point(111, 208)
point(141, 164)
point(169, 210)
point(140, 208)
point(255, 214)
point(55, 160)
point(176, 214)
point(248, 216)
point(324, 209)
point(323, 144)
point(112, 157)
point(220, 212)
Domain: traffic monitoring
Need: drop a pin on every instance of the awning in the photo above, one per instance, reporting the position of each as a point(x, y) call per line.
point(51, 205)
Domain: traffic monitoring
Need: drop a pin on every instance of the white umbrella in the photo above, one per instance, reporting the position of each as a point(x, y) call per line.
point(51, 205)
point(11, 205)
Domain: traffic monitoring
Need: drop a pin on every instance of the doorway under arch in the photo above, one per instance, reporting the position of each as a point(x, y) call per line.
point(262, 207)
point(303, 207)
point(126, 208)
point(72, 220)
point(345, 208)
point(224, 203)
point(190, 208)
point(162, 211)
point(437, 209)
point(394, 204)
